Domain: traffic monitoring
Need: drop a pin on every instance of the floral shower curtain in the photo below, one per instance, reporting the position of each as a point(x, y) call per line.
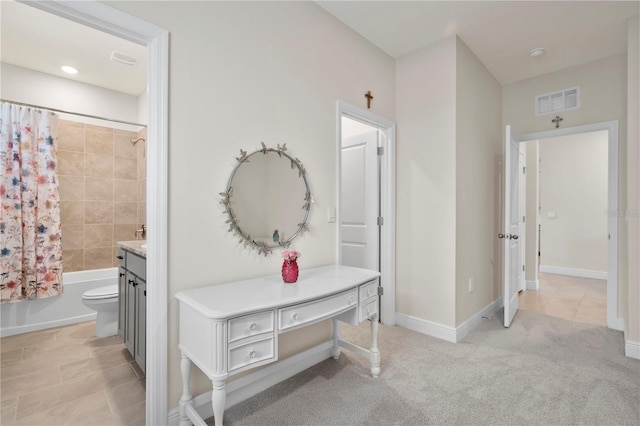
point(30, 230)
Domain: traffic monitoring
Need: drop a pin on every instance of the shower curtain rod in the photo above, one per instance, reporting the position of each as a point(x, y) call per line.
point(73, 113)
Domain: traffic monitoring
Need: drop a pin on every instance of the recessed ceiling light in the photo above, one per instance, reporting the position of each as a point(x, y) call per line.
point(538, 51)
point(69, 70)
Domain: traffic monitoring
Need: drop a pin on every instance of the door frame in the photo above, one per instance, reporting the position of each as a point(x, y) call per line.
point(387, 200)
point(613, 320)
point(156, 39)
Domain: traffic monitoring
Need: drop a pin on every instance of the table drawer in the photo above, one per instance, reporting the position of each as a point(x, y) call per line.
point(251, 353)
point(250, 325)
point(306, 313)
point(368, 309)
point(368, 290)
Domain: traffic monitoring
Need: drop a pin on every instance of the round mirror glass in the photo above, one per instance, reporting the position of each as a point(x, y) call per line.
point(267, 199)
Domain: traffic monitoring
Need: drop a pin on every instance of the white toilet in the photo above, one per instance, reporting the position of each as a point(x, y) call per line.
point(104, 300)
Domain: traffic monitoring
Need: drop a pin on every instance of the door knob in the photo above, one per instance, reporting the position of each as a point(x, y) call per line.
point(513, 237)
point(500, 235)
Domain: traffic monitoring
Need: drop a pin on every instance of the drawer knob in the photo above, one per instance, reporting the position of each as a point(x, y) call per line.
point(253, 326)
point(295, 316)
point(369, 292)
point(351, 300)
point(253, 353)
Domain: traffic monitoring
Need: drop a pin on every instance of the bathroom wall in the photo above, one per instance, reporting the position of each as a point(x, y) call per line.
point(91, 155)
point(101, 192)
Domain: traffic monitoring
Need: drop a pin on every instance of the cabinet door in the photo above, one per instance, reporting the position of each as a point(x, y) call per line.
point(130, 328)
point(122, 302)
point(141, 324)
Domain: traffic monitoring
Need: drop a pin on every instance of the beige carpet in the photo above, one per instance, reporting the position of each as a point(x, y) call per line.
point(541, 371)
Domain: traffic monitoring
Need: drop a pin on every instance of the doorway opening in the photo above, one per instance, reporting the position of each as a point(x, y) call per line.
point(156, 39)
point(565, 209)
point(513, 263)
point(366, 197)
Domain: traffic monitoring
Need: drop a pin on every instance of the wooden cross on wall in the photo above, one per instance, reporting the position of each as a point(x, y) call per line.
point(557, 121)
point(369, 97)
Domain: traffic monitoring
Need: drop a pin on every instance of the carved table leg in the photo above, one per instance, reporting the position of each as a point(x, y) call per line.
point(336, 336)
point(218, 400)
point(186, 398)
point(375, 353)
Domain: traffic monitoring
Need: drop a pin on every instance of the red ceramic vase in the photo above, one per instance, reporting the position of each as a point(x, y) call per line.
point(290, 271)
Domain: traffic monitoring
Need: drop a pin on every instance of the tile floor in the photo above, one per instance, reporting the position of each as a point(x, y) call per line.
point(67, 376)
point(574, 298)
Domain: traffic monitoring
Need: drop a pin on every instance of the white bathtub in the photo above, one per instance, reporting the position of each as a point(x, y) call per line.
point(67, 308)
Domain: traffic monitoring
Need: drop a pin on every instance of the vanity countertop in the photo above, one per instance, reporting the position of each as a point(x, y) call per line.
point(135, 246)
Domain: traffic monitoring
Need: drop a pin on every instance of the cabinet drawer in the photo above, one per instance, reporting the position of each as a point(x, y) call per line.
point(121, 257)
point(306, 313)
point(368, 290)
point(137, 265)
point(250, 325)
point(251, 353)
point(368, 309)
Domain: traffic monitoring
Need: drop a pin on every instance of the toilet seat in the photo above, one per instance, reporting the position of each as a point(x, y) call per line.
point(106, 292)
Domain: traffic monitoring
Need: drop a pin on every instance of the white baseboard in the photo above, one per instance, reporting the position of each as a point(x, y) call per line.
point(429, 328)
point(254, 383)
point(618, 324)
point(632, 349)
point(574, 272)
point(533, 285)
point(469, 325)
point(445, 332)
point(20, 329)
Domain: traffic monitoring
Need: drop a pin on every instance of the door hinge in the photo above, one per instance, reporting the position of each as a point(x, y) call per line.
point(380, 291)
point(524, 170)
point(380, 221)
point(522, 268)
point(381, 150)
point(523, 219)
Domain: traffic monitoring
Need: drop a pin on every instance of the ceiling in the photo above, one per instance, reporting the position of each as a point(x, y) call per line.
point(44, 42)
point(500, 33)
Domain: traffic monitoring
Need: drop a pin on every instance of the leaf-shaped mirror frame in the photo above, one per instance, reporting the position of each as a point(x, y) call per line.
point(245, 239)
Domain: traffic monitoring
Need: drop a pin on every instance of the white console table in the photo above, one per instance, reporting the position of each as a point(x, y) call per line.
point(229, 328)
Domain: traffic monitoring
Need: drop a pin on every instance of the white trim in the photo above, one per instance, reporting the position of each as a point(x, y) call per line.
point(445, 332)
point(387, 201)
point(429, 328)
point(632, 349)
point(618, 324)
point(533, 285)
point(613, 207)
point(470, 324)
point(104, 18)
point(21, 329)
point(574, 272)
point(252, 384)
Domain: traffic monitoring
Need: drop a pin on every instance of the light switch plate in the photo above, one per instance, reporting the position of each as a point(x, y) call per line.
point(331, 214)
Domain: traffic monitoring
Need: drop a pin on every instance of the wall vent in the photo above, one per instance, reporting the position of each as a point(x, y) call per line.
point(123, 58)
point(563, 100)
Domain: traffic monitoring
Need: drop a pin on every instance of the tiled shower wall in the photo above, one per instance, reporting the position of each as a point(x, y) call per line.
point(102, 192)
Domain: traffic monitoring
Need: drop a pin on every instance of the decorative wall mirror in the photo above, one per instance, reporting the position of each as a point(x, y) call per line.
point(267, 200)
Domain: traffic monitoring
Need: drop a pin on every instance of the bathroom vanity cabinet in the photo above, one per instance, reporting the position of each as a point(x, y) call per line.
point(132, 302)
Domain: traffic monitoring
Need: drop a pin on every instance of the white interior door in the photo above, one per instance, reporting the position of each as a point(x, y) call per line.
point(522, 210)
point(359, 201)
point(510, 246)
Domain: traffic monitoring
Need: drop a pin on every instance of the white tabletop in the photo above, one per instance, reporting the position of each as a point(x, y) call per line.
point(237, 298)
